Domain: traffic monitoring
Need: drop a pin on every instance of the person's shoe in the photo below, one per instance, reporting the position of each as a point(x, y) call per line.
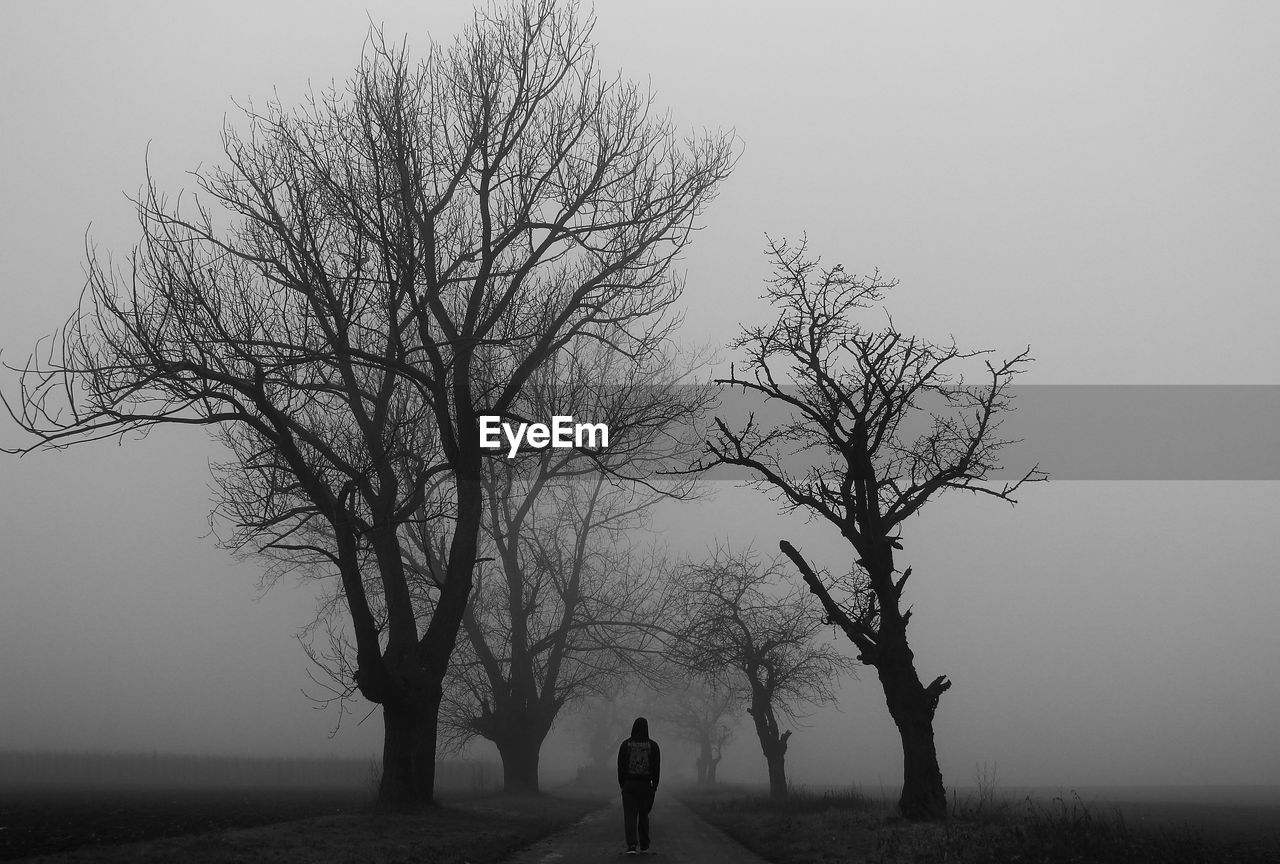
point(644, 849)
point(631, 850)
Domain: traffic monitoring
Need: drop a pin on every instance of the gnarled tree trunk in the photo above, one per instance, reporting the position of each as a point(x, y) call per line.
point(773, 743)
point(885, 648)
point(912, 706)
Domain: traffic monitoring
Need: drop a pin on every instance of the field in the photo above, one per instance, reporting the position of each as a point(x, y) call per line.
point(114, 809)
point(830, 827)
point(276, 826)
point(38, 821)
point(163, 807)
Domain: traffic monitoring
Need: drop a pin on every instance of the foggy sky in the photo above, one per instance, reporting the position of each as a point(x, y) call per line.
point(1098, 182)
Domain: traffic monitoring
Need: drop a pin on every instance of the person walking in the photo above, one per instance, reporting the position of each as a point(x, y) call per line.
point(639, 767)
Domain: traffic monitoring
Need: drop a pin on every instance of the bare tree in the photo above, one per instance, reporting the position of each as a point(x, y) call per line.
point(845, 453)
point(704, 713)
point(572, 603)
point(604, 720)
point(742, 617)
point(567, 607)
point(402, 255)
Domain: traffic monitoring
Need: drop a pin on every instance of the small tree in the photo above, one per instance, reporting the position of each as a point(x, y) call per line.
point(602, 721)
point(845, 453)
point(568, 599)
point(704, 713)
point(742, 618)
point(565, 610)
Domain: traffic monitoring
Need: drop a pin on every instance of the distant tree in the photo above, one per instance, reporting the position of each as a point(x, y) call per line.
point(604, 720)
point(552, 622)
point(844, 453)
point(570, 598)
point(745, 623)
point(401, 256)
point(703, 713)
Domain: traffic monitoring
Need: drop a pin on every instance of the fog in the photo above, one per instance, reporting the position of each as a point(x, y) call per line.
point(1099, 183)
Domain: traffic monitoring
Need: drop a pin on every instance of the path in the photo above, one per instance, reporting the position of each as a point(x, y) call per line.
point(679, 837)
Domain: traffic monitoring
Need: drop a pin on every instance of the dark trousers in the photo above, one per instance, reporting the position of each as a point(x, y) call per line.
point(637, 801)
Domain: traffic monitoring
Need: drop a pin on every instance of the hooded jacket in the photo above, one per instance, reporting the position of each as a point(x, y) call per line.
point(639, 757)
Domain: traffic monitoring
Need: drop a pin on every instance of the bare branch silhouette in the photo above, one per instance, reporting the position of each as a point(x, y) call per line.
point(848, 394)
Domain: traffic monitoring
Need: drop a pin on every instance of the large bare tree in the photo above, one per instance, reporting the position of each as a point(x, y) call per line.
point(399, 257)
point(766, 638)
point(872, 425)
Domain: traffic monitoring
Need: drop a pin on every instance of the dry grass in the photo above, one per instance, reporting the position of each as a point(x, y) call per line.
point(478, 831)
point(830, 828)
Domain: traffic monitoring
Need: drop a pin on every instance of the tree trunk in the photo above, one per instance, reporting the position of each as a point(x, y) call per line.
point(706, 764)
point(520, 755)
point(408, 752)
point(923, 795)
point(411, 713)
point(773, 741)
point(912, 707)
point(518, 730)
point(777, 774)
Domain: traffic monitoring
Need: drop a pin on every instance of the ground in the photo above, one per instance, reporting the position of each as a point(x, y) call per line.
point(213, 827)
point(677, 836)
point(840, 827)
point(290, 827)
point(38, 821)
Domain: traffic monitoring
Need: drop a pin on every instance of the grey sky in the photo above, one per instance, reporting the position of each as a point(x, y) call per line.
point(1096, 180)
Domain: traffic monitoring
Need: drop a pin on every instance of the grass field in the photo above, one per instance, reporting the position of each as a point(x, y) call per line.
point(284, 826)
point(831, 827)
point(272, 826)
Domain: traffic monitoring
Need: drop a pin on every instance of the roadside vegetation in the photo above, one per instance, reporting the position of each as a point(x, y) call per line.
point(216, 829)
point(986, 828)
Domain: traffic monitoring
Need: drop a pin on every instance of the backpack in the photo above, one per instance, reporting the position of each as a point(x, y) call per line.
point(638, 758)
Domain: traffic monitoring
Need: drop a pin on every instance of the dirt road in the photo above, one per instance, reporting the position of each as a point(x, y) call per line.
point(678, 837)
